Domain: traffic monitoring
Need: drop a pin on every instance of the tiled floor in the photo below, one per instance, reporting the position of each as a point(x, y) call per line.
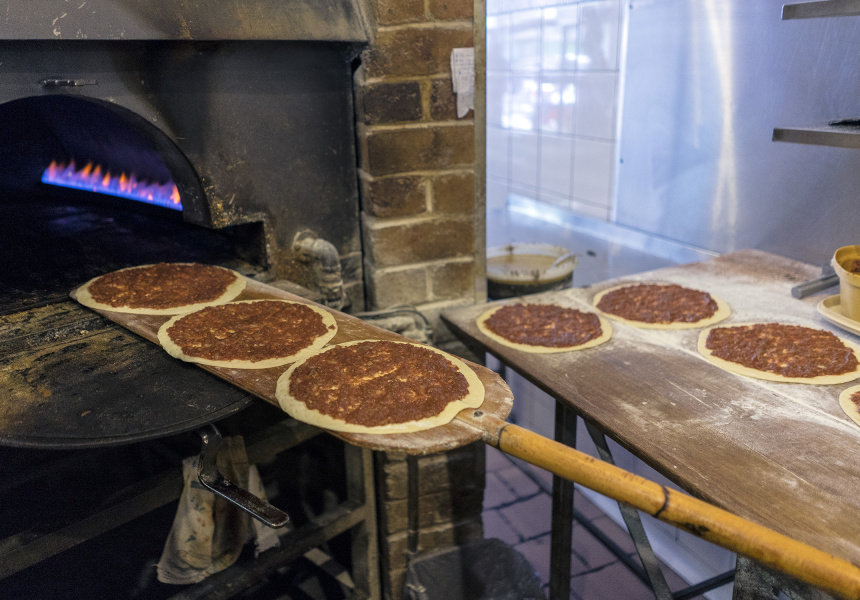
point(517, 510)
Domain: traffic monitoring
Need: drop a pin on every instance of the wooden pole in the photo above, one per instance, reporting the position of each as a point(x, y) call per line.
point(704, 520)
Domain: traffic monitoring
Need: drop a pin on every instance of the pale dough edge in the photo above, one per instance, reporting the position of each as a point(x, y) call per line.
point(848, 407)
point(83, 295)
point(723, 310)
point(299, 410)
point(482, 327)
point(176, 352)
point(768, 376)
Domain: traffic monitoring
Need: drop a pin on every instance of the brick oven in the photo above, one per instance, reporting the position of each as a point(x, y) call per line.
point(313, 145)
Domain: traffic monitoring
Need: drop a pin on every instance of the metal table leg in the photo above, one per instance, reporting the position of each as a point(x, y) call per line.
point(656, 579)
point(652, 570)
point(562, 511)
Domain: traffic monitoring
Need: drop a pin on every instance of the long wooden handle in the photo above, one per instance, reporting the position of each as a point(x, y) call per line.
point(704, 520)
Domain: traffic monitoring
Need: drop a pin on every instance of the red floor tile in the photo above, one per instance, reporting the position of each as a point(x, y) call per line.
point(530, 518)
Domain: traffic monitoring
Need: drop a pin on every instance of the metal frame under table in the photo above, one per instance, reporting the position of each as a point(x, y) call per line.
point(781, 455)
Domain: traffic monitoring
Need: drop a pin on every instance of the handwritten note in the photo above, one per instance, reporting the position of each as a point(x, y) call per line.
point(463, 79)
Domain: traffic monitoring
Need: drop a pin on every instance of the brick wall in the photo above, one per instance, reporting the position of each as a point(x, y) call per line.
point(450, 498)
point(416, 159)
point(419, 220)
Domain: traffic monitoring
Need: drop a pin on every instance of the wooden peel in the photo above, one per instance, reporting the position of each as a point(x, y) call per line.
point(704, 520)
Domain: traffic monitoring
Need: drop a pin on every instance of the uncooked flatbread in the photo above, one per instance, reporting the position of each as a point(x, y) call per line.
point(722, 310)
point(394, 375)
point(147, 282)
point(848, 405)
point(740, 369)
point(281, 330)
point(605, 331)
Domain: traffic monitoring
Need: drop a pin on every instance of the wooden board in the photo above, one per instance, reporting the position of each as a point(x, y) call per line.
point(498, 398)
point(780, 454)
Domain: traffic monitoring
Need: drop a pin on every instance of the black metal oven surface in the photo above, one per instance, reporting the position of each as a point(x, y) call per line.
point(69, 377)
point(52, 243)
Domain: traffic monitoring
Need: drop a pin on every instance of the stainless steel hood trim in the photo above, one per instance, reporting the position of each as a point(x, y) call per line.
point(306, 20)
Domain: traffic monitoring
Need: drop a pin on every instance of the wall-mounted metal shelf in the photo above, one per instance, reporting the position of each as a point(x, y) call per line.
point(840, 136)
point(823, 8)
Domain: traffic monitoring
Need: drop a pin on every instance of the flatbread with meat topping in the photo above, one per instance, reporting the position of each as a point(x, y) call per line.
point(781, 352)
point(543, 328)
point(161, 289)
point(849, 401)
point(661, 306)
point(378, 386)
point(250, 334)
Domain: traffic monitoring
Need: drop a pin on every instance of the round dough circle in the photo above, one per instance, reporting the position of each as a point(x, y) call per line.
point(722, 312)
point(83, 295)
point(314, 345)
point(300, 411)
point(739, 369)
point(848, 406)
point(606, 333)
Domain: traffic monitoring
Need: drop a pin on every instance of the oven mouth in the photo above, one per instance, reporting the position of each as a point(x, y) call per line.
point(95, 146)
point(57, 237)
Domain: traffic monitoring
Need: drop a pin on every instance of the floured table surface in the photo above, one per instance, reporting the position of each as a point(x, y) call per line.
point(464, 429)
point(783, 455)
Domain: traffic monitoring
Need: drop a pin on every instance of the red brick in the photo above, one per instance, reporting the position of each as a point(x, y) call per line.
point(399, 287)
point(398, 12)
point(452, 469)
point(439, 536)
point(395, 196)
point(392, 102)
point(438, 508)
point(452, 281)
point(451, 9)
point(419, 242)
point(443, 102)
point(414, 51)
point(454, 194)
point(418, 149)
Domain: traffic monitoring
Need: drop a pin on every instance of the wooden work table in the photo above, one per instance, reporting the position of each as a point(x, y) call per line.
point(783, 455)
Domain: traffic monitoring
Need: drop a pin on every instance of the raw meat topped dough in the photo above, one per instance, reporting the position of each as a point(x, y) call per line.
point(661, 306)
point(543, 328)
point(161, 289)
point(378, 386)
point(251, 334)
point(781, 352)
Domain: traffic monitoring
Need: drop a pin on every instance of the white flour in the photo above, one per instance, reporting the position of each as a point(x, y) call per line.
point(751, 300)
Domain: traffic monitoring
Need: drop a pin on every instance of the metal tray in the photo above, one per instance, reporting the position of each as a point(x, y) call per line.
point(830, 309)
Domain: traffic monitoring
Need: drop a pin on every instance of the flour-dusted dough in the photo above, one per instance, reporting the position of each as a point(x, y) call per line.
point(606, 333)
point(851, 409)
point(722, 312)
point(299, 410)
point(739, 369)
point(311, 345)
point(230, 291)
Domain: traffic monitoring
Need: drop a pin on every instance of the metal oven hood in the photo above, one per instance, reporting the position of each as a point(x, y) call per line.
point(201, 20)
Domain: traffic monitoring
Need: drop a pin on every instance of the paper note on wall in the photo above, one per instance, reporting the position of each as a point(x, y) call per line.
point(463, 79)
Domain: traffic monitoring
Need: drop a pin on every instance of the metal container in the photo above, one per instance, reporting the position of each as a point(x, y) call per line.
point(846, 262)
point(520, 269)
